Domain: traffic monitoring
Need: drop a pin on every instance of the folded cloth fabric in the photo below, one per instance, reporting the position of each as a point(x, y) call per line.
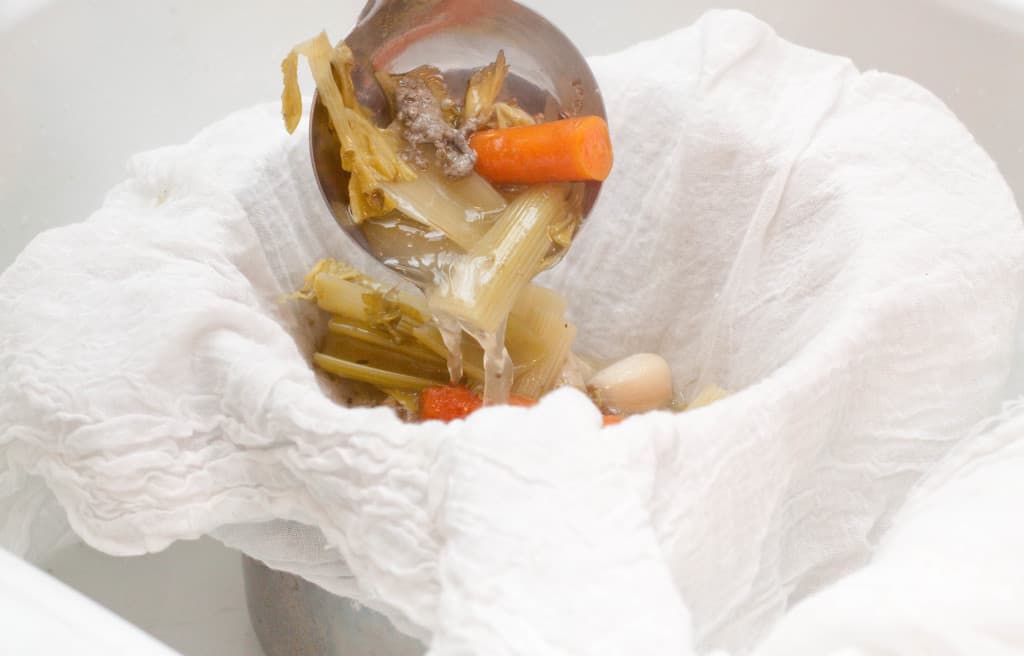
point(831, 246)
point(946, 578)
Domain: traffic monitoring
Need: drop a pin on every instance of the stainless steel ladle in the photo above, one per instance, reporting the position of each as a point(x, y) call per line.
point(548, 74)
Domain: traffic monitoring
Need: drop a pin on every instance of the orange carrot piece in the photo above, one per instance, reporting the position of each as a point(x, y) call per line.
point(570, 150)
point(448, 402)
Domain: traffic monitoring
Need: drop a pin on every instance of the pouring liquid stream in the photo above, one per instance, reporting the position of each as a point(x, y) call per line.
point(420, 254)
point(498, 369)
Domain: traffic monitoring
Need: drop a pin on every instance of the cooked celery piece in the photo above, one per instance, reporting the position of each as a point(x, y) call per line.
point(535, 206)
point(307, 291)
point(377, 377)
point(291, 96)
point(537, 379)
point(346, 329)
point(383, 357)
point(336, 288)
point(364, 309)
point(484, 87)
point(343, 291)
point(511, 116)
point(459, 209)
point(539, 339)
point(377, 330)
point(563, 230)
point(342, 297)
point(408, 399)
point(536, 304)
point(369, 153)
point(477, 194)
point(484, 284)
point(384, 311)
point(430, 338)
point(525, 343)
point(342, 63)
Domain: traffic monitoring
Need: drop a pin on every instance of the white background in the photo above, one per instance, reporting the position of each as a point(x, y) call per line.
point(89, 82)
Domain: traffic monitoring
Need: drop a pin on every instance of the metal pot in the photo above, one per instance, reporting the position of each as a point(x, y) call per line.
point(293, 617)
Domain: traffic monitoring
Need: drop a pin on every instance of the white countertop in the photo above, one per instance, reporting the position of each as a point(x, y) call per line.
point(190, 597)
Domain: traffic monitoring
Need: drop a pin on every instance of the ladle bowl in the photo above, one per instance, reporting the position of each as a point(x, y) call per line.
point(547, 75)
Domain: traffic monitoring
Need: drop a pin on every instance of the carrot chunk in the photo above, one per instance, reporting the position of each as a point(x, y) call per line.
point(570, 150)
point(448, 402)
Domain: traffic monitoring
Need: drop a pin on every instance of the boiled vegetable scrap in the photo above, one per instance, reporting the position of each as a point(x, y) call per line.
point(470, 197)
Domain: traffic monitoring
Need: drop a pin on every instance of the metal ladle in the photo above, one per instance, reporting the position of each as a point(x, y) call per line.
point(548, 74)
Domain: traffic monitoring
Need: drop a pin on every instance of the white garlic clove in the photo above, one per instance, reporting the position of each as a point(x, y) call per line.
point(634, 384)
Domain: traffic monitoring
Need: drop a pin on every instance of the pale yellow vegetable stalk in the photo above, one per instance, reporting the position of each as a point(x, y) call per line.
point(378, 331)
point(564, 229)
point(408, 399)
point(369, 153)
point(482, 92)
point(387, 358)
point(343, 291)
point(458, 208)
point(510, 116)
point(485, 282)
point(377, 377)
point(367, 310)
point(539, 340)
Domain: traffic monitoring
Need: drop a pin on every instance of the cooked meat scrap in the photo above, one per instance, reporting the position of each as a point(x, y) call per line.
point(422, 121)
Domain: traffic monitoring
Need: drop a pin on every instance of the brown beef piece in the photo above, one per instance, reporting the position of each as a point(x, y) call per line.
point(422, 122)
